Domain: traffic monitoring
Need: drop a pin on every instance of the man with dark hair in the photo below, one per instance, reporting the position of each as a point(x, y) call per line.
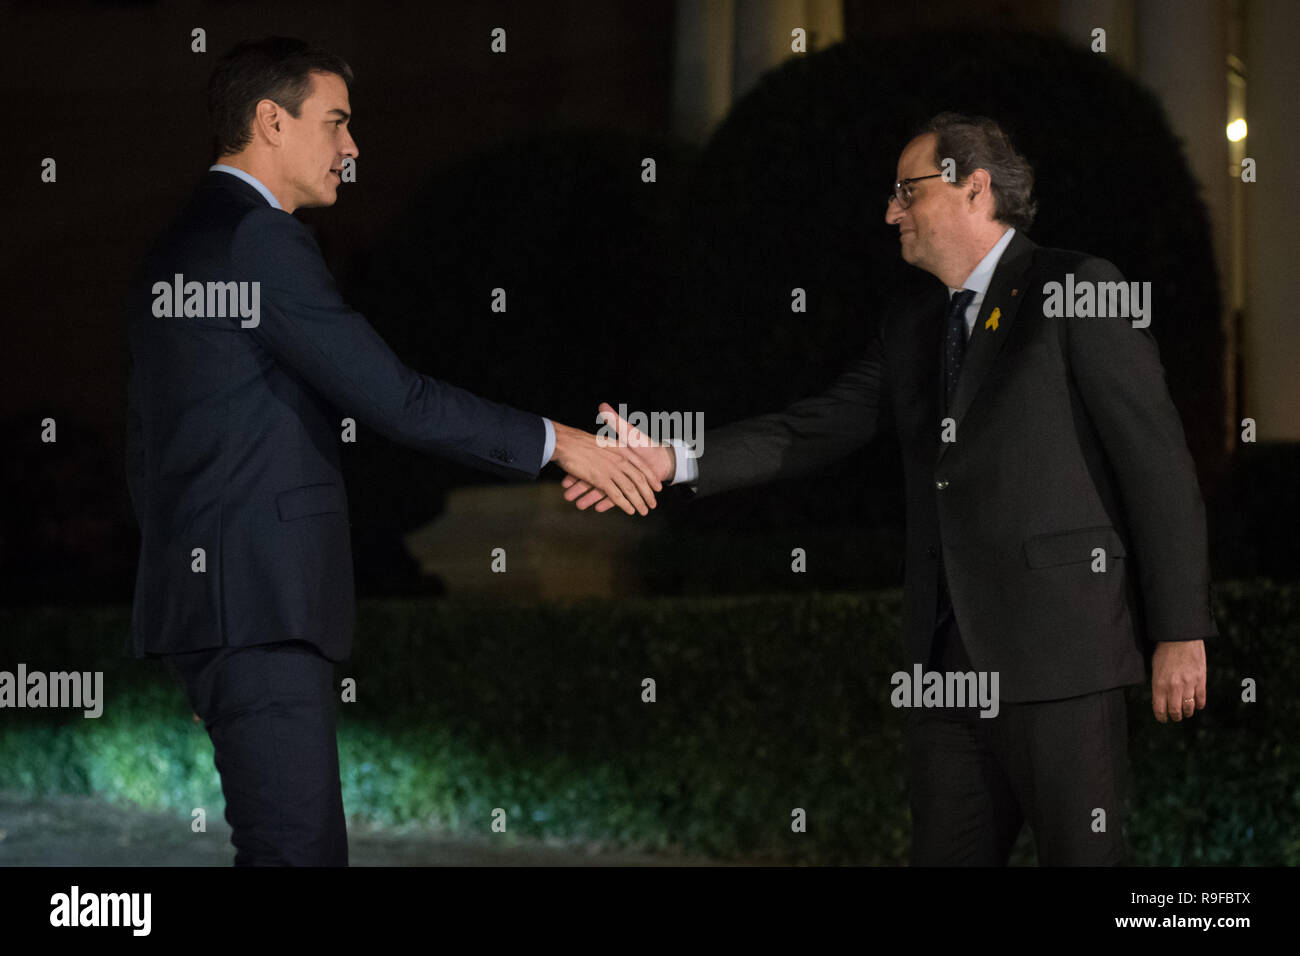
point(246, 365)
point(279, 69)
point(1055, 530)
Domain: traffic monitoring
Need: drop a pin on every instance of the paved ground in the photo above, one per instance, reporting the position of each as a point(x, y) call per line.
point(83, 831)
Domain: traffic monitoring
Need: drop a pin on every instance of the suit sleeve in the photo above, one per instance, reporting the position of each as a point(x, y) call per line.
point(1122, 384)
point(305, 324)
point(806, 436)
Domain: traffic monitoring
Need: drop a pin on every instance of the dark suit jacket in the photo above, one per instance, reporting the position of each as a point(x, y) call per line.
point(1066, 440)
point(233, 434)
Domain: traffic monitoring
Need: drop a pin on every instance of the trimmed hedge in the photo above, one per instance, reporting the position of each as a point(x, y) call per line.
point(763, 704)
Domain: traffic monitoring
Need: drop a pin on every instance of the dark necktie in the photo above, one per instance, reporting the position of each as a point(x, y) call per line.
point(954, 343)
point(954, 350)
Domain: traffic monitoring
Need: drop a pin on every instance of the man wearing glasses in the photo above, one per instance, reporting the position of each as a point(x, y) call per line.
point(1055, 529)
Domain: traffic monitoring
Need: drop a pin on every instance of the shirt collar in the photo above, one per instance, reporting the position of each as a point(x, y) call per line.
point(978, 281)
point(248, 178)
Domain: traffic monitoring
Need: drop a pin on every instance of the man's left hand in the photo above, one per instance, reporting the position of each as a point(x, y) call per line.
point(1177, 679)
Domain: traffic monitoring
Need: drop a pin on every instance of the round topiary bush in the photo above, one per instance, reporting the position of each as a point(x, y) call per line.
point(791, 192)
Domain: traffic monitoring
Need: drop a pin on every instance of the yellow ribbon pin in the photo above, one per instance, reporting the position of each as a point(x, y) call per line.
point(992, 321)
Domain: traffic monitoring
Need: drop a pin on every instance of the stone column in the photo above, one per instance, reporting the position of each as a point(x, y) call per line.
point(703, 47)
point(1271, 340)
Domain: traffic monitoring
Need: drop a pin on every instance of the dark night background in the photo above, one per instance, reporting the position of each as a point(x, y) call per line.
point(523, 171)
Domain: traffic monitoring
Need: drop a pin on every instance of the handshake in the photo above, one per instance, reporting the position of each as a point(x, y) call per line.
point(603, 473)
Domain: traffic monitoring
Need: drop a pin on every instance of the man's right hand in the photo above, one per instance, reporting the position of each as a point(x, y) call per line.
point(657, 461)
point(616, 475)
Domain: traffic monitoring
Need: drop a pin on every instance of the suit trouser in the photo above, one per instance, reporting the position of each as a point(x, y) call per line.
point(271, 712)
point(974, 781)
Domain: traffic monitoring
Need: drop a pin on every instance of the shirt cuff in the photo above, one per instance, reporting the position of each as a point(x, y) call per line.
point(688, 468)
point(549, 448)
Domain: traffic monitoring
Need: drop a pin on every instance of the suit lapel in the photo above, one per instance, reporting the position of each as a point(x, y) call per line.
point(985, 340)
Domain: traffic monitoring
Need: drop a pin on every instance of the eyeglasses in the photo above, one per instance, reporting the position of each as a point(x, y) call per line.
point(903, 190)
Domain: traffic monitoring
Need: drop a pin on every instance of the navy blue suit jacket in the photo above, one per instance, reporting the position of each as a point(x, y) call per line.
point(233, 434)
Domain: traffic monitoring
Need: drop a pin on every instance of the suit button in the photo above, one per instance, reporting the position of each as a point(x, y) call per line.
point(941, 485)
point(930, 552)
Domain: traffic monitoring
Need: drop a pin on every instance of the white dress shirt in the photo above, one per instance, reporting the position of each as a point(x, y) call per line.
point(978, 281)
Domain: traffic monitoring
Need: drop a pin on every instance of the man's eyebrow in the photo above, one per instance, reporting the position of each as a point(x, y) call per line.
point(344, 113)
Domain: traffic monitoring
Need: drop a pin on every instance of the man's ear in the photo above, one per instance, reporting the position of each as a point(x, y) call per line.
point(266, 119)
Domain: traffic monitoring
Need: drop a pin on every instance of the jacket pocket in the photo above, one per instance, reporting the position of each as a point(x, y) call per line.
point(1071, 547)
point(309, 500)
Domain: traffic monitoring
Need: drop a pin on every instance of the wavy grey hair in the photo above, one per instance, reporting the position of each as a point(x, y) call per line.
point(977, 142)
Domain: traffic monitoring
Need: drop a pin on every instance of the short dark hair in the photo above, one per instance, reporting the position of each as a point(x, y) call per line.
point(274, 68)
point(977, 142)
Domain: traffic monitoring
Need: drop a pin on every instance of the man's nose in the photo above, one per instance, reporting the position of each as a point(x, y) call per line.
point(351, 148)
point(893, 212)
